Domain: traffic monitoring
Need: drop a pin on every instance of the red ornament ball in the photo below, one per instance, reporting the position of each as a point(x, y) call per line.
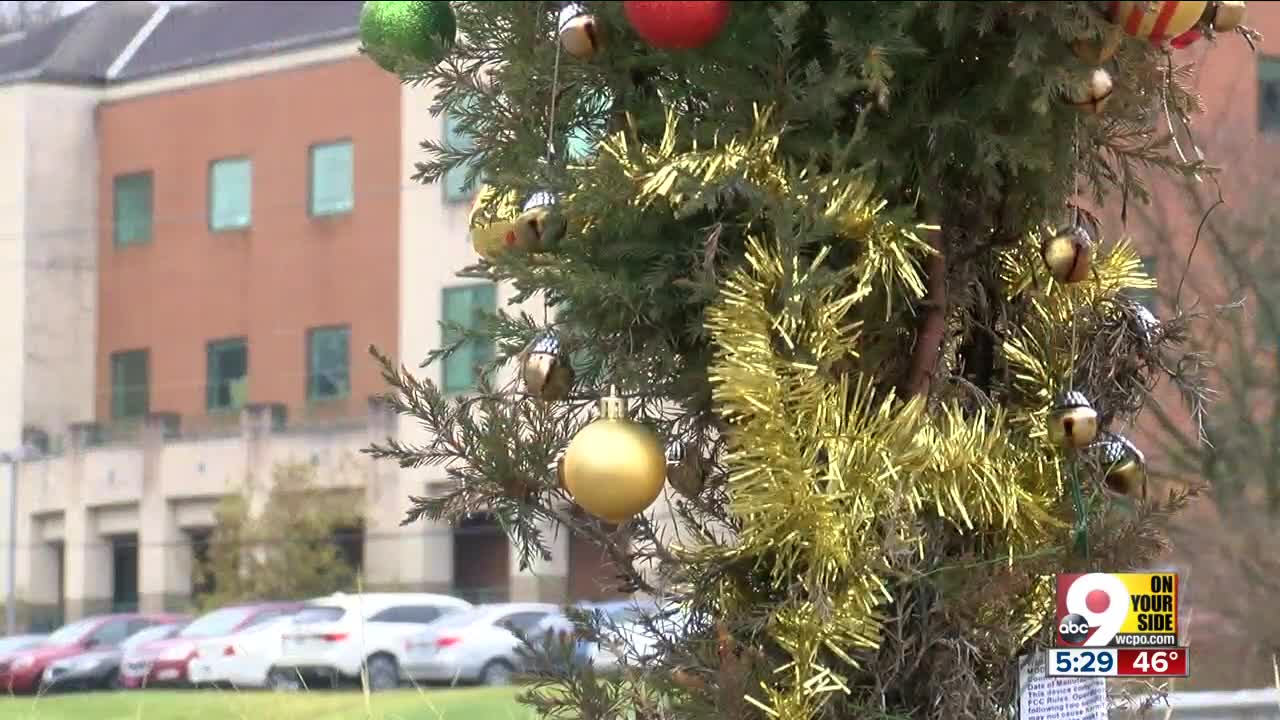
point(677, 24)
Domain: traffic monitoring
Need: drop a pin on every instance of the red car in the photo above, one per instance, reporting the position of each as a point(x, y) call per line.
point(165, 662)
point(20, 671)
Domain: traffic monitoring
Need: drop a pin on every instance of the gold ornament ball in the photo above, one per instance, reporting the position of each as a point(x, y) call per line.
point(1068, 254)
point(614, 467)
point(1092, 93)
point(1097, 52)
point(579, 32)
point(1073, 423)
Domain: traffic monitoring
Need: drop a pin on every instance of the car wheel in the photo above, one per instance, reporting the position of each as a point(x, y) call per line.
point(284, 681)
point(382, 673)
point(113, 681)
point(496, 672)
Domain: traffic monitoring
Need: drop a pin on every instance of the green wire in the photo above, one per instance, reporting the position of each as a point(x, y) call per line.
point(1081, 530)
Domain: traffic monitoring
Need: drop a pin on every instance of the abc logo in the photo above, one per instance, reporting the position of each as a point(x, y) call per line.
point(1074, 628)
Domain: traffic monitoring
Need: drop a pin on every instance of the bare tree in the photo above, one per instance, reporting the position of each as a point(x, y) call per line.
point(18, 15)
point(1214, 246)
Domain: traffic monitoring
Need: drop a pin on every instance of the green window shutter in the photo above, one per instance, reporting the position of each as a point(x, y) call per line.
point(230, 194)
point(129, 384)
point(455, 180)
point(328, 363)
point(1268, 94)
point(466, 307)
point(227, 374)
point(332, 179)
point(484, 302)
point(132, 204)
point(1147, 296)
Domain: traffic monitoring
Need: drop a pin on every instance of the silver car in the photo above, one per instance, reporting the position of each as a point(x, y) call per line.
point(477, 645)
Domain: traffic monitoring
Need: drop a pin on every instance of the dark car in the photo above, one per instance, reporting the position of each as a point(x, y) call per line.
point(101, 668)
point(21, 670)
point(165, 662)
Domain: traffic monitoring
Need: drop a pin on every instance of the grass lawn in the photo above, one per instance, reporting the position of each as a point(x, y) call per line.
point(460, 704)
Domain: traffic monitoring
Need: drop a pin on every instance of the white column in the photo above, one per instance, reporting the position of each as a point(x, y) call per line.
point(546, 579)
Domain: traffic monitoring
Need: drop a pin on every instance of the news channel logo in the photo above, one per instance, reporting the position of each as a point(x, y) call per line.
point(1117, 610)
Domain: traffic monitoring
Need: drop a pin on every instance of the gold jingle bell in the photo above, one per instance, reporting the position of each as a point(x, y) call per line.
point(1145, 322)
point(540, 225)
point(614, 467)
point(685, 469)
point(1124, 465)
point(493, 232)
point(579, 32)
point(1068, 254)
point(1092, 93)
point(1097, 52)
point(1227, 15)
point(546, 372)
point(1073, 423)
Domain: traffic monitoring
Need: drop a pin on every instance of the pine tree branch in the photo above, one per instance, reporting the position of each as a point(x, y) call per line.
point(933, 321)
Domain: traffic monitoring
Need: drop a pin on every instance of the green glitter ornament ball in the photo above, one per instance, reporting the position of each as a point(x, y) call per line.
point(417, 30)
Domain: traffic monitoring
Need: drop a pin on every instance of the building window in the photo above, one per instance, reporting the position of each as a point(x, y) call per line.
point(332, 178)
point(455, 180)
point(230, 194)
point(129, 381)
point(227, 374)
point(124, 572)
point(328, 363)
point(131, 201)
point(1269, 94)
point(465, 307)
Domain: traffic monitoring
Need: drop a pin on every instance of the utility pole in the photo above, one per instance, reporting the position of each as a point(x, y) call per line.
point(11, 595)
point(11, 460)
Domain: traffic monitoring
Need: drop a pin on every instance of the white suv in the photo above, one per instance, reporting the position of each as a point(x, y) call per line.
point(334, 639)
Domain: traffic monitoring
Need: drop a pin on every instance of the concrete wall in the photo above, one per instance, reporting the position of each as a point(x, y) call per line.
point(48, 187)
point(13, 258)
point(13, 193)
point(61, 274)
point(159, 489)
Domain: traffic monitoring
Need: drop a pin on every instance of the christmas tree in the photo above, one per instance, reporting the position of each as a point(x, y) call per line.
point(825, 280)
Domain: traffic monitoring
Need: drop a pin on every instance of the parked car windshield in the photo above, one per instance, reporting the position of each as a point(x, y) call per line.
point(142, 637)
point(624, 612)
point(319, 614)
point(11, 644)
point(68, 634)
point(460, 619)
point(217, 623)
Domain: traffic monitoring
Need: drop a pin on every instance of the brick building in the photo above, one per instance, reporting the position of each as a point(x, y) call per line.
point(214, 220)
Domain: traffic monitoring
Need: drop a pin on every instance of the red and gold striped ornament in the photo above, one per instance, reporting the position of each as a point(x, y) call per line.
point(1158, 22)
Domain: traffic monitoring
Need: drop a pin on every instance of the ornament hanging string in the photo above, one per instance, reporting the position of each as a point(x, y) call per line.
point(1081, 529)
point(551, 140)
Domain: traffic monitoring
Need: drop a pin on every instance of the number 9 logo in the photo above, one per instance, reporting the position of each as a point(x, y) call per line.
point(1101, 601)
